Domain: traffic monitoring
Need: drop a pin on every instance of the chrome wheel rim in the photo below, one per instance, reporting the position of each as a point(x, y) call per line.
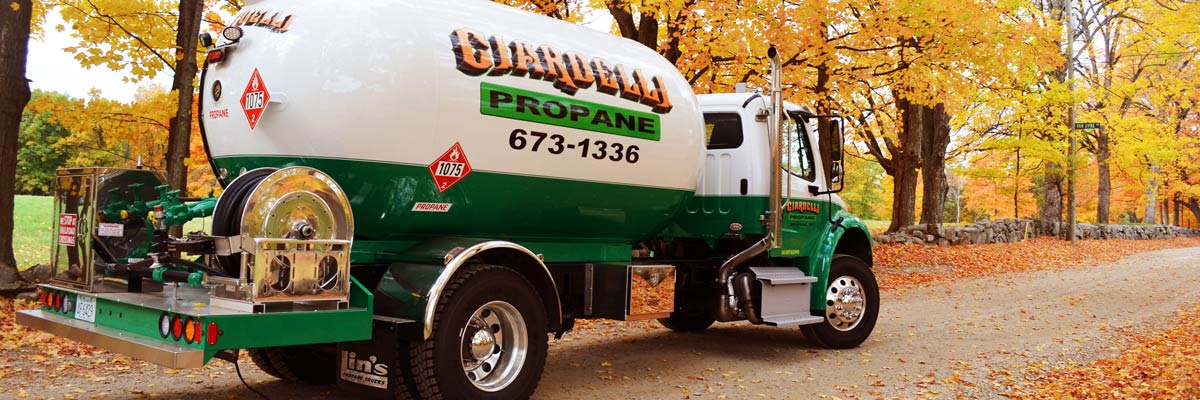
point(845, 303)
point(495, 343)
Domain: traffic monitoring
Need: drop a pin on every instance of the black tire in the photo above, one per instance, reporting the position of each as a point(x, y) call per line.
point(687, 322)
point(825, 334)
point(300, 364)
point(227, 216)
point(437, 363)
point(259, 357)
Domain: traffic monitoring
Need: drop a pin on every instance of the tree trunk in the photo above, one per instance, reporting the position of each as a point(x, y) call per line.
point(906, 159)
point(1052, 207)
point(1194, 206)
point(933, 163)
point(1176, 220)
point(1104, 191)
point(14, 94)
point(1017, 186)
point(1151, 201)
point(180, 126)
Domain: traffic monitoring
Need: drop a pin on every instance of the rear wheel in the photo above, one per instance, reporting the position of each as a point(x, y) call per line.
point(851, 306)
point(489, 338)
point(259, 357)
point(304, 364)
point(679, 322)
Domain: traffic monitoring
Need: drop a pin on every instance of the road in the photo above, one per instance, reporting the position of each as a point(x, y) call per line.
point(970, 338)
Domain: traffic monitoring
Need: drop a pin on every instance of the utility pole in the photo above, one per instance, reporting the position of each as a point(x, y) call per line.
point(1071, 123)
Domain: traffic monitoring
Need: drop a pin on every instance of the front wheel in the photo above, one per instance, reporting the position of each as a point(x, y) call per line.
point(489, 338)
point(851, 305)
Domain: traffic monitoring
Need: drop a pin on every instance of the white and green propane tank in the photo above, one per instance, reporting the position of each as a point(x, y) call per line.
point(464, 120)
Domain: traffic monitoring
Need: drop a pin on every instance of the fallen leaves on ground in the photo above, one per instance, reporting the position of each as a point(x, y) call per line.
point(1155, 364)
point(904, 266)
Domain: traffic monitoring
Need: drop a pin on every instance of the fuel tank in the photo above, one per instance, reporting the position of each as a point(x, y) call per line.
point(457, 118)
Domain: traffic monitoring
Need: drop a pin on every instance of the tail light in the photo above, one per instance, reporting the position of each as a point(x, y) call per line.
point(42, 297)
point(191, 331)
point(176, 328)
point(164, 325)
point(58, 302)
point(216, 56)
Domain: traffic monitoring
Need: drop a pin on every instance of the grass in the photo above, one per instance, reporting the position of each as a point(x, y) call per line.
point(33, 229)
point(877, 226)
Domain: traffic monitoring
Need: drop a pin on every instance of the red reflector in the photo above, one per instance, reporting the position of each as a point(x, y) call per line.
point(216, 56)
point(42, 298)
point(212, 333)
point(58, 300)
point(176, 327)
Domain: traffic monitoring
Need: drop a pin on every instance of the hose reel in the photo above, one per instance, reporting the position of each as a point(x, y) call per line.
point(295, 226)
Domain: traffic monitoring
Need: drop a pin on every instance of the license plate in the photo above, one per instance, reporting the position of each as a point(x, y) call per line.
point(85, 308)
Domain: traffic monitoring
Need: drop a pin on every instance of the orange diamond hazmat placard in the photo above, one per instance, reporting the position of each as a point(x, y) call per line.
point(255, 98)
point(450, 168)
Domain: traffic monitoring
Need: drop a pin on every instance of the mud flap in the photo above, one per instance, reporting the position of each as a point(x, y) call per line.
point(377, 368)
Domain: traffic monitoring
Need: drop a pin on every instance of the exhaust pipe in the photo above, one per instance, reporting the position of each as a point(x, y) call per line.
point(741, 284)
point(725, 309)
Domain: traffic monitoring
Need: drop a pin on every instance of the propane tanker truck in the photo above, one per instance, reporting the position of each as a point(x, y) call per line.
point(417, 194)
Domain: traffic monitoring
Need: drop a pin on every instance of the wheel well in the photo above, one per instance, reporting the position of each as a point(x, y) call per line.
point(535, 272)
point(857, 243)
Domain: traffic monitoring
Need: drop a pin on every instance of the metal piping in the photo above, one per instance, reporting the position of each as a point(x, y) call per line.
point(776, 139)
point(725, 309)
point(741, 284)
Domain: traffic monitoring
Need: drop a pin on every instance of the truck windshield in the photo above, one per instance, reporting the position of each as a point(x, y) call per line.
point(798, 156)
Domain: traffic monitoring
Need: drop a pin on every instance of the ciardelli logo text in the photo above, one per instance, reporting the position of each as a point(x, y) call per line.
point(364, 371)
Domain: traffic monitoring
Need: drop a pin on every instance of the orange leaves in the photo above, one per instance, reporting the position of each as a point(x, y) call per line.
point(1162, 364)
point(902, 266)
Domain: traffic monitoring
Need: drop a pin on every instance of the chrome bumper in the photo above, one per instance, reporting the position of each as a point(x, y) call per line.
point(156, 351)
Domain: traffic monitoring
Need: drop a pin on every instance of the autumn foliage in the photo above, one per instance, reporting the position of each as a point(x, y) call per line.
point(904, 266)
point(1156, 364)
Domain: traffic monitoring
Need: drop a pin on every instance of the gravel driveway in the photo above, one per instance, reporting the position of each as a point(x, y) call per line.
point(972, 338)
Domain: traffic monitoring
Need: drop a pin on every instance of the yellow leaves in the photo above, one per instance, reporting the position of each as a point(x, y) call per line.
point(15, 6)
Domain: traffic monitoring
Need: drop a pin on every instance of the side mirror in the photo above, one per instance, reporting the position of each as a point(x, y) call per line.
point(833, 140)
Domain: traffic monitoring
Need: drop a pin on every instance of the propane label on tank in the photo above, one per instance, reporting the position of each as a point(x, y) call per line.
point(255, 98)
point(450, 168)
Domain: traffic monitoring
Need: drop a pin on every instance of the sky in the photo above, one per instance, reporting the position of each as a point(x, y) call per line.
point(52, 69)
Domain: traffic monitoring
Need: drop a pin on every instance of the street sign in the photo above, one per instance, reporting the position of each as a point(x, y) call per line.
point(1087, 125)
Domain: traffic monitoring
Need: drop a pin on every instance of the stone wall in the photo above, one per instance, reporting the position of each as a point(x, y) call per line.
point(1015, 230)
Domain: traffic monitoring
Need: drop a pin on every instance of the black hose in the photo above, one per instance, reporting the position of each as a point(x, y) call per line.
point(227, 216)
